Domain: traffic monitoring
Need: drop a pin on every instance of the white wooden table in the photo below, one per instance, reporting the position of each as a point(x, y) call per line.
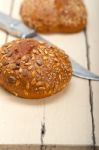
point(70, 118)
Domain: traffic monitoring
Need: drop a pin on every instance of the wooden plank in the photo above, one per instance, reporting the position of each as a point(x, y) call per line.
point(93, 41)
point(2, 38)
point(20, 120)
point(68, 120)
point(2, 9)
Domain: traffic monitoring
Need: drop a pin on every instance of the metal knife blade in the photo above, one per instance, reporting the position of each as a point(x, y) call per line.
point(19, 29)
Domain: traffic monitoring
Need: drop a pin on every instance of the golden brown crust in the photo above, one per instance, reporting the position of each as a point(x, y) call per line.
point(31, 69)
point(48, 16)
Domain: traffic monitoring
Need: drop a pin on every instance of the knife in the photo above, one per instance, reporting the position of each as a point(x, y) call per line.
point(20, 30)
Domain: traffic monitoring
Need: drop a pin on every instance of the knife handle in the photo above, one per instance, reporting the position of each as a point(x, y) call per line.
point(15, 27)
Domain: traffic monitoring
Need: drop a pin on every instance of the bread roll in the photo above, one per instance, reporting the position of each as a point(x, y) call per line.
point(50, 16)
point(31, 69)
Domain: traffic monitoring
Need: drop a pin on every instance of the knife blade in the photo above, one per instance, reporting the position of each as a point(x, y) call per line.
point(19, 29)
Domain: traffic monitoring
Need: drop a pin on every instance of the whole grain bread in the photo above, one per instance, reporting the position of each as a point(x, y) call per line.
point(50, 16)
point(31, 69)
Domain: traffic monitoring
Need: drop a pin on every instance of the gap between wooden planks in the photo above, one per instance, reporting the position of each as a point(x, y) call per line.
point(47, 147)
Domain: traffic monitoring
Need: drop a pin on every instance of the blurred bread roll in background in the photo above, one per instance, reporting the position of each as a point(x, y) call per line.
point(50, 16)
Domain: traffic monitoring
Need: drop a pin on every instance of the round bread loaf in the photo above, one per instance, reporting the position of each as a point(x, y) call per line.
point(50, 16)
point(31, 69)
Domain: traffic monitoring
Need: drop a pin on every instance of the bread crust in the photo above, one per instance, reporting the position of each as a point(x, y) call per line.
point(52, 16)
point(31, 69)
